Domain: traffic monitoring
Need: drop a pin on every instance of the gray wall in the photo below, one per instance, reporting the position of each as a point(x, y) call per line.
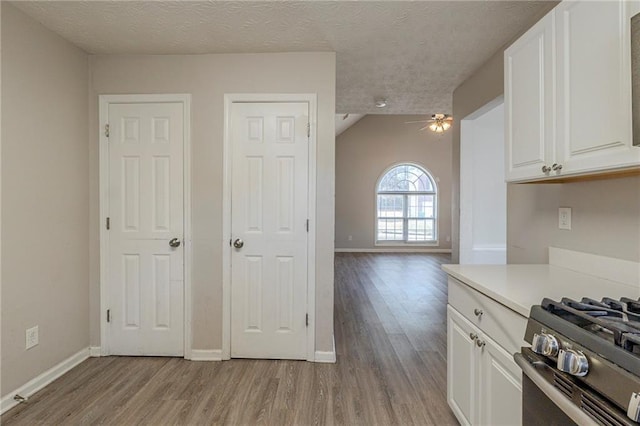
point(208, 78)
point(45, 198)
point(364, 152)
point(606, 213)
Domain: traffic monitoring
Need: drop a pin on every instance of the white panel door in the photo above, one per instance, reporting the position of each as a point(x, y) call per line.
point(529, 102)
point(146, 212)
point(594, 85)
point(269, 210)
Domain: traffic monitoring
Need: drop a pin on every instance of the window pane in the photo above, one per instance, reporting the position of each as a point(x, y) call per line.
point(420, 230)
point(406, 178)
point(390, 229)
point(390, 205)
point(420, 206)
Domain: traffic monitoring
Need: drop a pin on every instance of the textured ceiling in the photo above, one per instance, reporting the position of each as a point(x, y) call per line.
point(411, 53)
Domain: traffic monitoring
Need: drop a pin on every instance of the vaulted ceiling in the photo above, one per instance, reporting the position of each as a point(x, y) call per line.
point(411, 53)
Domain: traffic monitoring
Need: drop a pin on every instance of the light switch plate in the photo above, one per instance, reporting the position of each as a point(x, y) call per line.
point(564, 218)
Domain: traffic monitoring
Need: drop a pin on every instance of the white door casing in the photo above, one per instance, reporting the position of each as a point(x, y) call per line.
point(269, 205)
point(144, 198)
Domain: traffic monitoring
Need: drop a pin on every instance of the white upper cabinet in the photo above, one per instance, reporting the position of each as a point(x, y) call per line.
point(529, 101)
point(586, 121)
point(594, 86)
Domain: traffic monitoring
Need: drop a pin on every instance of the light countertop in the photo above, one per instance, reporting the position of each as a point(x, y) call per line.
point(518, 287)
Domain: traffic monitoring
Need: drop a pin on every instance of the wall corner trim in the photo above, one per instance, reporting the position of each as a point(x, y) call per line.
point(206, 355)
point(326, 356)
point(7, 402)
point(95, 351)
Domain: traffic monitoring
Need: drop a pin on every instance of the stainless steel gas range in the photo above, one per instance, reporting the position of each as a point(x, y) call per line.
point(583, 366)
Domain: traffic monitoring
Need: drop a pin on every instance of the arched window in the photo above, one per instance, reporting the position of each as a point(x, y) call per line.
point(406, 206)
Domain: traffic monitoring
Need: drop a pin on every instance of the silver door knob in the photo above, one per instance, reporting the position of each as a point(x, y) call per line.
point(573, 362)
point(174, 242)
point(238, 243)
point(546, 169)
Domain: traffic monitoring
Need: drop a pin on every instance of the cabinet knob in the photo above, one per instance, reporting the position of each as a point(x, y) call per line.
point(478, 312)
point(480, 343)
point(556, 167)
point(473, 336)
point(546, 169)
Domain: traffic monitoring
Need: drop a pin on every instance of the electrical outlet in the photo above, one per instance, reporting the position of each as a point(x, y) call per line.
point(564, 218)
point(31, 337)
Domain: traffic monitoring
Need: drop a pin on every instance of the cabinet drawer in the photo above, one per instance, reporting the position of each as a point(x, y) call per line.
point(504, 326)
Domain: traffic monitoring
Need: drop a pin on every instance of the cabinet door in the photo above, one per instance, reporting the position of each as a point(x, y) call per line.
point(500, 386)
point(529, 102)
point(594, 86)
point(462, 367)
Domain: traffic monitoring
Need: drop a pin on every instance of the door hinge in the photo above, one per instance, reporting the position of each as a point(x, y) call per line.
point(308, 130)
point(307, 320)
point(108, 315)
point(307, 225)
point(108, 223)
point(106, 130)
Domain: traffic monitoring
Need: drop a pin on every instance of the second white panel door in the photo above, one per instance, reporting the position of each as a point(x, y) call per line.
point(269, 210)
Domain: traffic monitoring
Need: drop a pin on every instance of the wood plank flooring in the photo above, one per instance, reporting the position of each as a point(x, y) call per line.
point(390, 330)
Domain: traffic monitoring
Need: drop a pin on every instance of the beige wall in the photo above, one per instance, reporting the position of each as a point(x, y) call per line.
point(364, 152)
point(207, 78)
point(606, 213)
point(605, 219)
point(45, 198)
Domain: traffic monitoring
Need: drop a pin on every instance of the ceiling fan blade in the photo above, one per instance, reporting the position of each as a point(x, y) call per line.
point(420, 121)
point(423, 128)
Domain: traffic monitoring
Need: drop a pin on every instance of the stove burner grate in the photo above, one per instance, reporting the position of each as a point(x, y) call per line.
point(616, 320)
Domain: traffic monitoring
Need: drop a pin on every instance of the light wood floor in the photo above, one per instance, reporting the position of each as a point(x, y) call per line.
point(390, 330)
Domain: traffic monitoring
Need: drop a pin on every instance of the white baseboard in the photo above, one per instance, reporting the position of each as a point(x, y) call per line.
point(609, 268)
point(206, 355)
point(95, 351)
point(326, 356)
point(7, 402)
point(391, 250)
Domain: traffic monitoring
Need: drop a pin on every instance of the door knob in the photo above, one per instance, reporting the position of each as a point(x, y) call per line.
point(174, 242)
point(238, 243)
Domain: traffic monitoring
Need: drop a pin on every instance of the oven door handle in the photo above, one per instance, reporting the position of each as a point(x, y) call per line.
point(558, 398)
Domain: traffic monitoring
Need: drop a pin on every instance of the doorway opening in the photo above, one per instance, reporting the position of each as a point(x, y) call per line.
point(483, 191)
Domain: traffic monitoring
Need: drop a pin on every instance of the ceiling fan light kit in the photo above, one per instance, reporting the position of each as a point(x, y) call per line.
point(439, 123)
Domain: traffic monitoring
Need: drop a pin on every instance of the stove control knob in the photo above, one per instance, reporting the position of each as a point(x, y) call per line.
point(633, 412)
point(573, 362)
point(545, 344)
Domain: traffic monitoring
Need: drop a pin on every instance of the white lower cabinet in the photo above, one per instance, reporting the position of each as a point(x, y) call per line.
point(484, 384)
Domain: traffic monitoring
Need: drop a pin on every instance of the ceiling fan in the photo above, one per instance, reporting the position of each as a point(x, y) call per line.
point(438, 123)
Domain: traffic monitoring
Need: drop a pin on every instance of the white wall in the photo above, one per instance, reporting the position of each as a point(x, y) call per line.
point(45, 198)
point(207, 78)
point(483, 192)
